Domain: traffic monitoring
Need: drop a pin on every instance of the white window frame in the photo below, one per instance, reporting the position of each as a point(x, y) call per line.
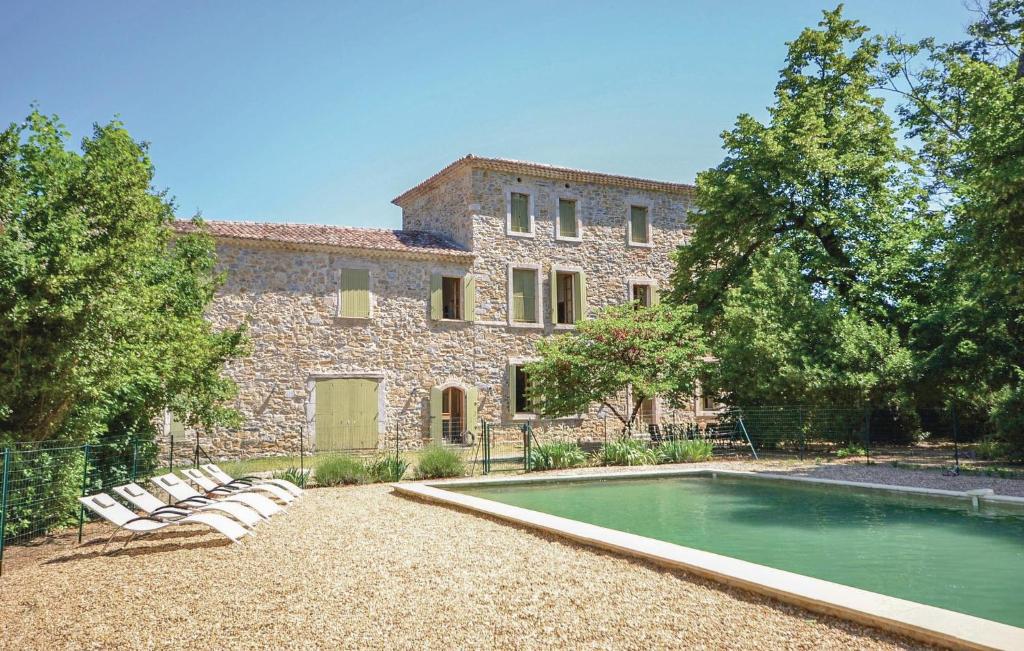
point(559, 196)
point(566, 269)
point(632, 282)
point(538, 302)
point(521, 416)
point(532, 209)
point(640, 203)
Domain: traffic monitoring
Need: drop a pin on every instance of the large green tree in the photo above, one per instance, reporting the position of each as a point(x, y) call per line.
point(964, 102)
point(811, 242)
point(101, 309)
point(623, 356)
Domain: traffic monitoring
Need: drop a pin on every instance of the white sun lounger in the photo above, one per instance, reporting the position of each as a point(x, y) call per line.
point(196, 476)
point(151, 504)
point(123, 518)
point(182, 492)
point(224, 478)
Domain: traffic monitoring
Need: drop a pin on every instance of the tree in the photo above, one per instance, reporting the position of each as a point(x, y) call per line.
point(656, 351)
point(965, 102)
point(823, 200)
point(101, 310)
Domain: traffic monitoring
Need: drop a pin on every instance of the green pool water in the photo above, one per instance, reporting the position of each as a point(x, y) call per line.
point(935, 551)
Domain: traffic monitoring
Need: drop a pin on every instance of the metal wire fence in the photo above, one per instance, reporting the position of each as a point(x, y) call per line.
point(41, 481)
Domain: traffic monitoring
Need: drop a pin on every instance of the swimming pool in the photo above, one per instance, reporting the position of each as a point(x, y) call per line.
point(932, 550)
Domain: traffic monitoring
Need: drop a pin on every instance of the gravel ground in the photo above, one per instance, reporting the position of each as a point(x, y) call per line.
point(362, 568)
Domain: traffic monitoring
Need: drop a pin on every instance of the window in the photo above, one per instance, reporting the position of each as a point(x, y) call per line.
point(523, 296)
point(639, 233)
point(647, 414)
point(520, 213)
point(642, 292)
point(567, 224)
point(519, 394)
point(354, 294)
point(642, 295)
point(709, 403)
point(453, 414)
point(452, 298)
point(568, 296)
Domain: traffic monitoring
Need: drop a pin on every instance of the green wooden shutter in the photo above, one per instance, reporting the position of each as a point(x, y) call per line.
point(511, 390)
point(567, 218)
point(436, 296)
point(654, 295)
point(436, 397)
point(472, 395)
point(520, 213)
point(554, 296)
point(579, 299)
point(638, 223)
point(524, 296)
point(469, 297)
point(355, 293)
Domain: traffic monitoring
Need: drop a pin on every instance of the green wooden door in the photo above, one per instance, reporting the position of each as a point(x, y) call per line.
point(346, 414)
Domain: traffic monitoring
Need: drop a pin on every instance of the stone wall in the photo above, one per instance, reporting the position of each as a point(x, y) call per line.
point(289, 298)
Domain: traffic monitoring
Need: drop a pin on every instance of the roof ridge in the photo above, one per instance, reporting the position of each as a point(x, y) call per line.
point(531, 166)
point(250, 222)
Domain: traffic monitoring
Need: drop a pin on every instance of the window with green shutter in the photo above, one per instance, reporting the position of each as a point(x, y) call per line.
point(567, 226)
point(639, 231)
point(519, 213)
point(524, 296)
point(355, 294)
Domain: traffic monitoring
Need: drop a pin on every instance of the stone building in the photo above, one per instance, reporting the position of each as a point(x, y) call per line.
point(366, 338)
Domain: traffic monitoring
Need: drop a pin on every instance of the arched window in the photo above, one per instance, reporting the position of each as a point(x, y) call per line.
point(453, 416)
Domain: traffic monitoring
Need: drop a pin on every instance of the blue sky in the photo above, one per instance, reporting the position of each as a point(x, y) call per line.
point(322, 112)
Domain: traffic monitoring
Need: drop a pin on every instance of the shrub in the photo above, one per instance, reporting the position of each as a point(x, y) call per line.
point(437, 462)
point(625, 452)
point(294, 475)
point(551, 456)
point(990, 449)
point(338, 470)
point(684, 451)
point(851, 450)
point(389, 468)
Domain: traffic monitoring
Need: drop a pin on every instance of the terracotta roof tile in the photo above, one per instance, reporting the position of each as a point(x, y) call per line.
point(299, 235)
point(543, 170)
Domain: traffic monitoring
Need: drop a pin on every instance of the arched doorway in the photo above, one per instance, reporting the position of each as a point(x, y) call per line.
point(453, 417)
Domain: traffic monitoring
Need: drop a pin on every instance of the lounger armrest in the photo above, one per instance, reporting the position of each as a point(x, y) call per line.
point(221, 490)
point(170, 509)
point(197, 499)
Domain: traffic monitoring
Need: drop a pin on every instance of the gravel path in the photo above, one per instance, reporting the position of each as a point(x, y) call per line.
point(360, 568)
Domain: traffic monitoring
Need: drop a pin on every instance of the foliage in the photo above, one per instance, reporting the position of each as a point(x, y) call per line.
point(388, 468)
point(688, 451)
point(964, 102)
point(336, 470)
point(101, 316)
point(625, 452)
point(438, 462)
point(294, 475)
point(990, 450)
point(811, 239)
point(656, 351)
point(556, 455)
point(851, 450)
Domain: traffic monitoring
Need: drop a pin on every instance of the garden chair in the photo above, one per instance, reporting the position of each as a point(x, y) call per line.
point(227, 480)
point(183, 493)
point(152, 505)
point(196, 476)
point(123, 518)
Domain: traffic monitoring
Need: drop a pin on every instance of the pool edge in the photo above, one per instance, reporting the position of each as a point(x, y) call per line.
point(919, 621)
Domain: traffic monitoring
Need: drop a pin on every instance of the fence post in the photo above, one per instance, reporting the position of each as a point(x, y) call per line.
point(956, 438)
point(803, 433)
point(526, 447)
point(170, 463)
point(3, 504)
point(302, 451)
point(85, 485)
point(135, 457)
point(867, 436)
